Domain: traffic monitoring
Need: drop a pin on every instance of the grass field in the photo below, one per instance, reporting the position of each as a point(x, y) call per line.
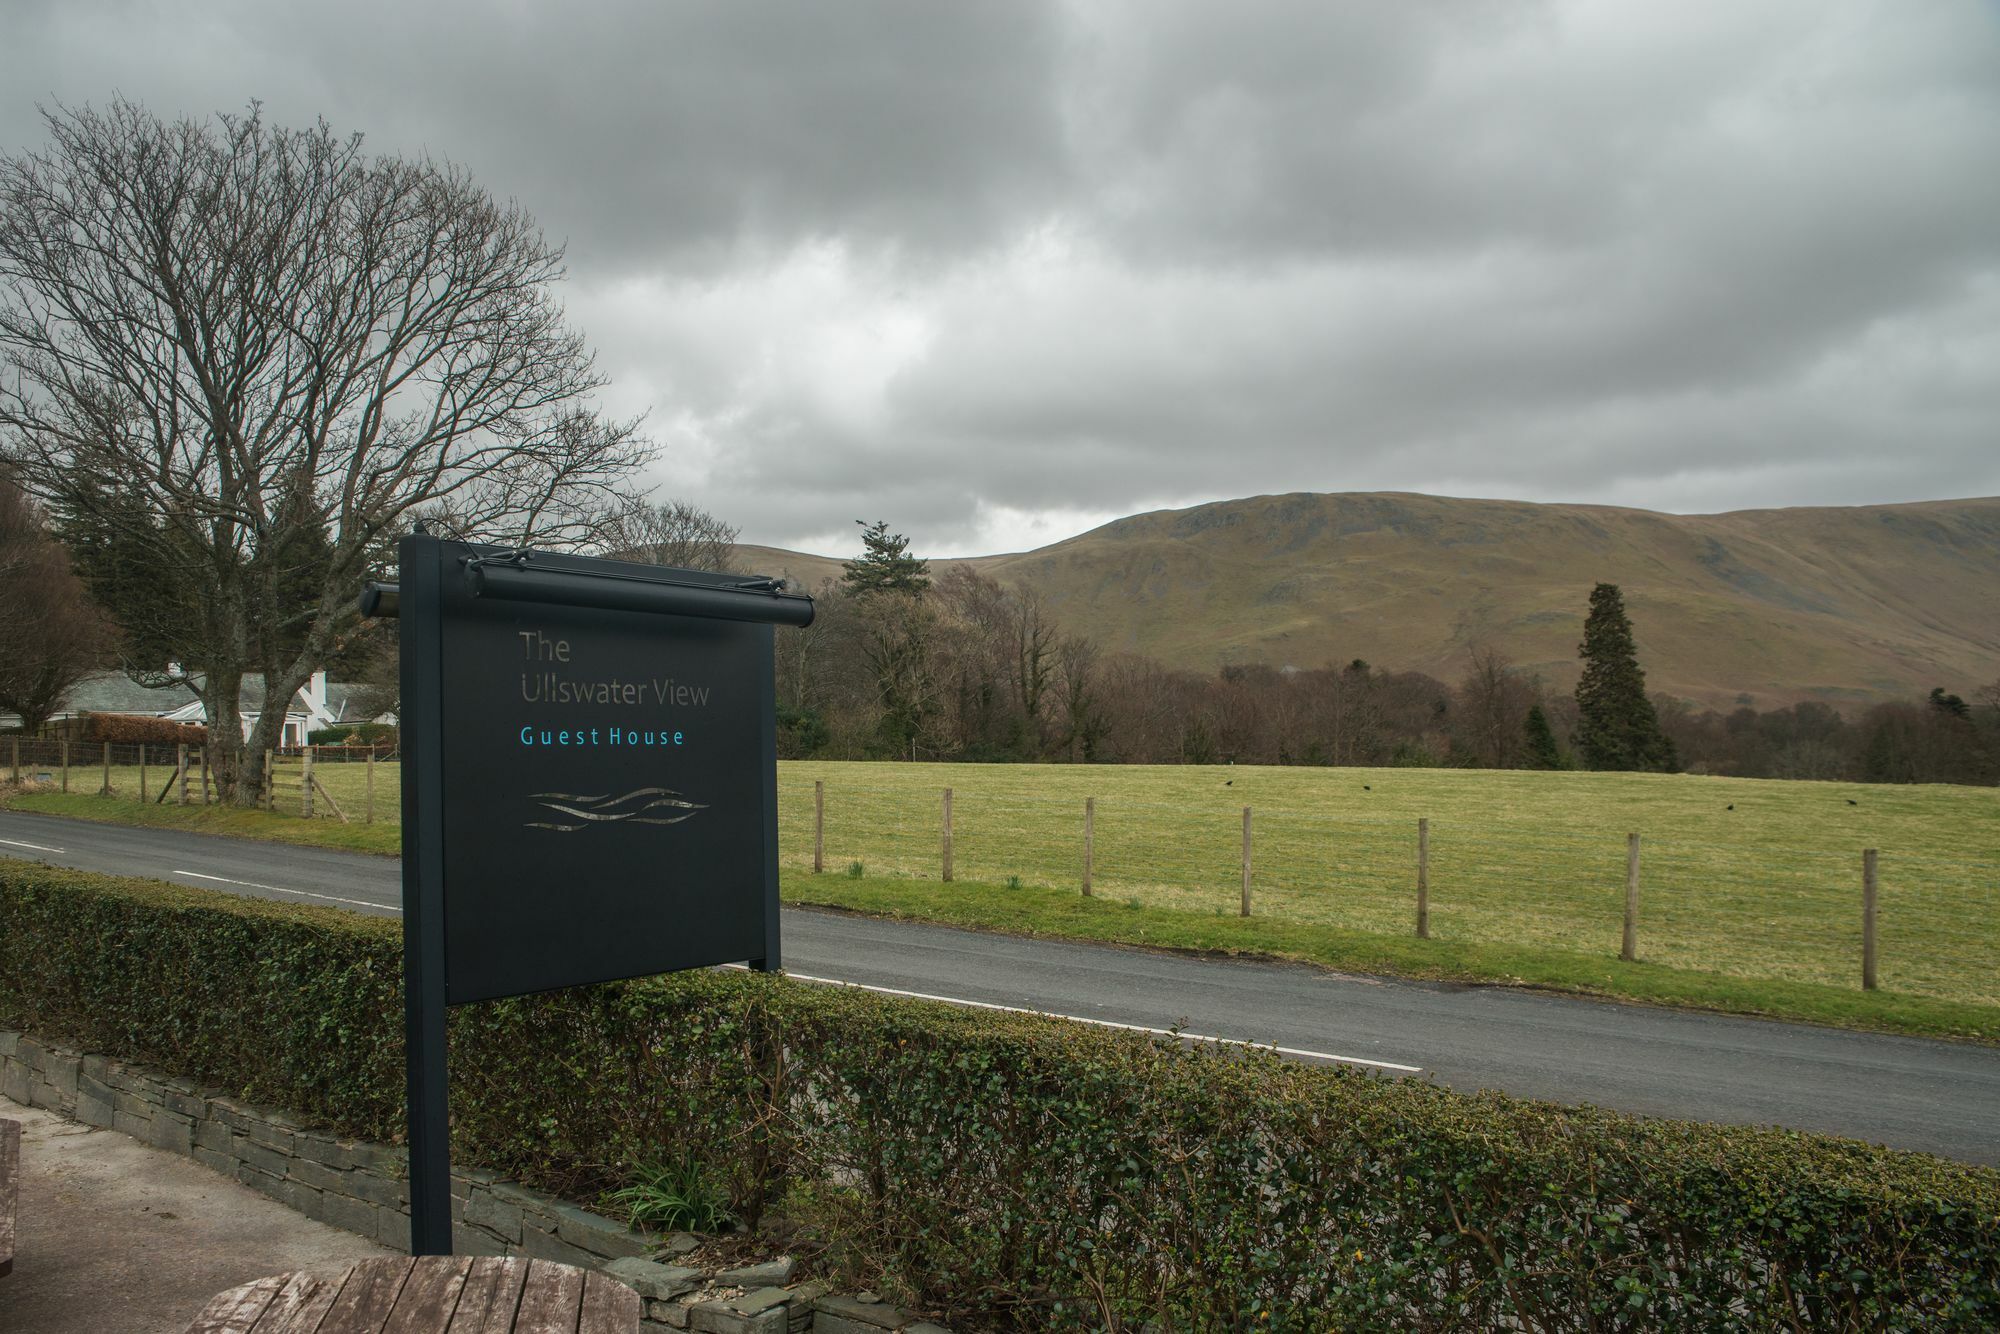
point(1771, 888)
point(1752, 885)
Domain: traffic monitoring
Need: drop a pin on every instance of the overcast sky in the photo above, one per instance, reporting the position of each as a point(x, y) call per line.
point(1001, 272)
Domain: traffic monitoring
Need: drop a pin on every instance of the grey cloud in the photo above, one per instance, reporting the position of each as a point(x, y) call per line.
point(942, 263)
point(642, 131)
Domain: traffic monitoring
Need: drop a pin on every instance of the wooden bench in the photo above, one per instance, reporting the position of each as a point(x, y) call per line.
point(10, 1190)
point(428, 1295)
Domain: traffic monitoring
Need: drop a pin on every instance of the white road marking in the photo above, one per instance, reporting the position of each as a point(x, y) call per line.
point(280, 889)
point(924, 995)
point(1107, 1023)
point(36, 846)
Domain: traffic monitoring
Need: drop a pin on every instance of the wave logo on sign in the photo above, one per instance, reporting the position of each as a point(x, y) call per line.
point(642, 805)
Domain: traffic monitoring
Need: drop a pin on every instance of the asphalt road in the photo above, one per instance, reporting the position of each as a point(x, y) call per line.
point(1907, 1092)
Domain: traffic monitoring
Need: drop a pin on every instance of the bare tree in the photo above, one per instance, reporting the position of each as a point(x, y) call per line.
point(381, 683)
point(799, 649)
point(284, 350)
point(1034, 643)
point(1085, 724)
point(1022, 689)
point(1493, 700)
point(975, 659)
point(677, 533)
point(1140, 701)
point(899, 643)
point(1347, 703)
point(51, 634)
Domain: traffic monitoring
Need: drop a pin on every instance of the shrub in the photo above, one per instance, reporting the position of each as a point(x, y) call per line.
point(355, 737)
point(674, 1197)
point(126, 729)
point(1022, 1172)
point(801, 733)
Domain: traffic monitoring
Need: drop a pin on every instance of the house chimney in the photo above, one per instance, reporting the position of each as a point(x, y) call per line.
point(316, 693)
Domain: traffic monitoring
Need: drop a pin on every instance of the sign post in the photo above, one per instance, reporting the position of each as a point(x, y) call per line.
point(589, 790)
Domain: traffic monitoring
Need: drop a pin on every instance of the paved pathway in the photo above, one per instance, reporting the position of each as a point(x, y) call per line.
point(118, 1236)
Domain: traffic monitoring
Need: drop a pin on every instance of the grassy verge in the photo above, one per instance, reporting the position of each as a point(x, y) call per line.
point(1036, 911)
point(271, 826)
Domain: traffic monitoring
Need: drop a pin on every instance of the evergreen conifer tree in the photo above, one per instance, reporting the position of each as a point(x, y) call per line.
point(1950, 705)
point(1542, 752)
point(898, 629)
point(885, 564)
point(130, 562)
point(1617, 727)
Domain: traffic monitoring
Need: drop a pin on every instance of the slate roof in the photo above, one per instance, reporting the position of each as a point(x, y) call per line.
point(343, 702)
point(115, 692)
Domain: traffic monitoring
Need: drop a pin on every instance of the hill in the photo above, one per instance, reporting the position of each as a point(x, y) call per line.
point(1844, 605)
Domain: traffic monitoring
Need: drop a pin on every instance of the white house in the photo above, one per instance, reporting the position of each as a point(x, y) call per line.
point(300, 719)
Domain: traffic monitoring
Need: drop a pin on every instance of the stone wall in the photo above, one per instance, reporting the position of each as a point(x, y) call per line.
point(364, 1188)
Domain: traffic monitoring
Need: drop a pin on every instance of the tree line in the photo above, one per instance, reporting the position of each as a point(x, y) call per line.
point(903, 665)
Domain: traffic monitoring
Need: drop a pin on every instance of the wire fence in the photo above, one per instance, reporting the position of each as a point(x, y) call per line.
point(1540, 862)
point(1752, 907)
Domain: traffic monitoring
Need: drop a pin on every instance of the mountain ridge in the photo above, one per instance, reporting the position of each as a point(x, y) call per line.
point(1846, 604)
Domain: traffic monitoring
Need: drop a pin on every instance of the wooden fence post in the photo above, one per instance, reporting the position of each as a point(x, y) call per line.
point(306, 785)
point(270, 786)
point(327, 797)
point(181, 765)
point(104, 790)
point(1246, 861)
point(1628, 950)
point(1868, 919)
point(947, 835)
point(1423, 879)
point(368, 800)
point(819, 826)
point(65, 764)
point(1089, 840)
point(142, 773)
point(17, 761)
point(204, 775)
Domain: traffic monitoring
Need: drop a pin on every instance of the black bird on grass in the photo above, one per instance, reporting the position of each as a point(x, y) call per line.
point(1366, 788)
point(1730, 807)
point(1852, 802)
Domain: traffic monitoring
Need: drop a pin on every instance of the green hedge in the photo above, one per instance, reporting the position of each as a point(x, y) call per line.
point(125, 729)
point(1025, 1173)
point(382, 736)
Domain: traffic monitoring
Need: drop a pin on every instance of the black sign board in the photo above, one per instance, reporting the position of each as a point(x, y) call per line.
point(590, 788)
